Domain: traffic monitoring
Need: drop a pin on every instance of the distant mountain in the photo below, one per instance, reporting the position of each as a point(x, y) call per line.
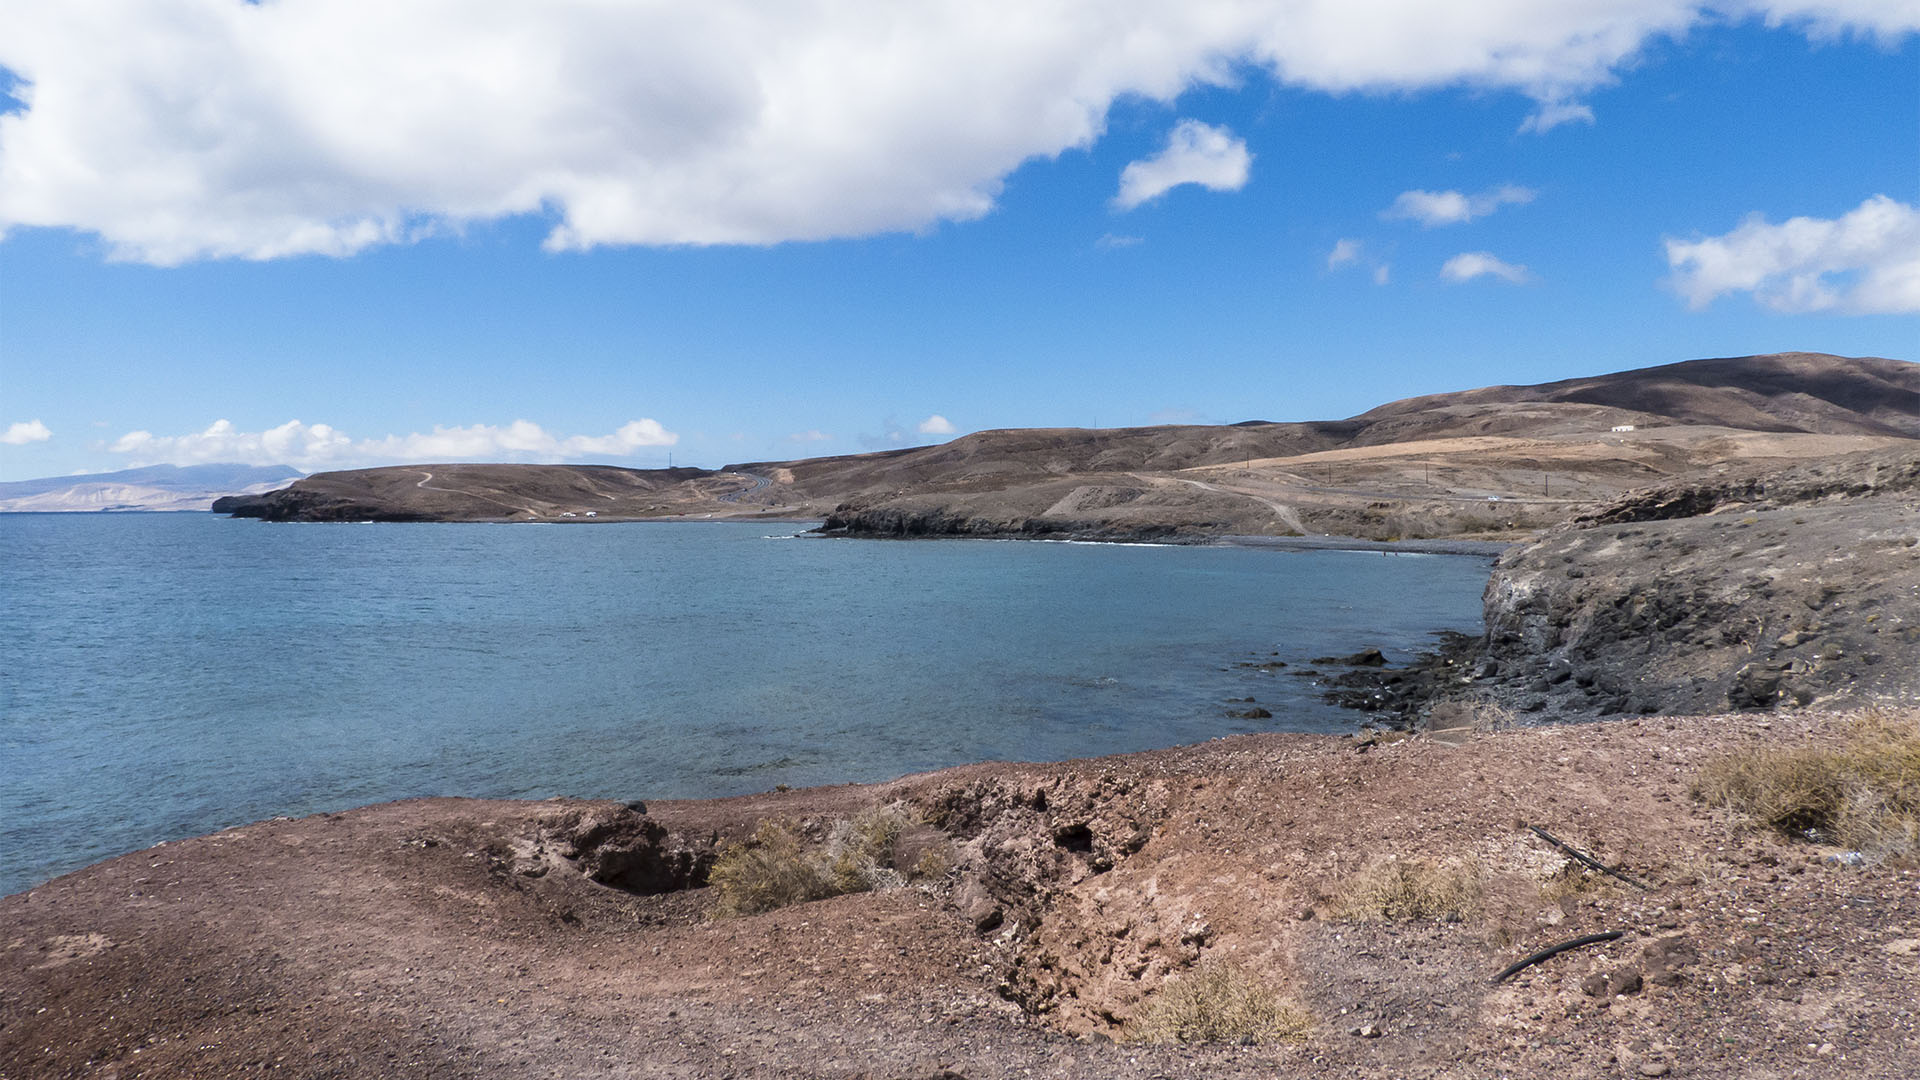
point(155, 487)
point(1445, 454)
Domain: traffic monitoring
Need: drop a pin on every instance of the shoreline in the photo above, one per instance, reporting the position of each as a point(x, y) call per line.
point(1489, 549)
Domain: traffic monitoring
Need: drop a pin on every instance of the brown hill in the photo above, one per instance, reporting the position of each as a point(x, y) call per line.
point(1516, 445)
point(471, 493)
point(1786, 392)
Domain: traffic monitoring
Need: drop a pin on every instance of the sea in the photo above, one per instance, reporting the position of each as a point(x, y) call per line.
point(168, 675)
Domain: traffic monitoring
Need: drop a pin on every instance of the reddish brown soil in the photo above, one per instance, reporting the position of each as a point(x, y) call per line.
point(454, 938)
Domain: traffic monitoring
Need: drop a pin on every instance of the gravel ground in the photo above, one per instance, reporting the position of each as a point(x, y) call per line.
point(460, 938)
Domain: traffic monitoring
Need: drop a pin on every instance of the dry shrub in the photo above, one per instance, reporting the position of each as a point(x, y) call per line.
point(1572, 879)
point(934, 864)
point(1863, 794)
point(1404, 889)
point(1219, 1002)
point(776, 867)
point(860, 852)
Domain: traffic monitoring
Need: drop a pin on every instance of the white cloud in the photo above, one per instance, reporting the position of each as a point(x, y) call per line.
point(188, 129)
point(1195, 153)
point(1884, 19)
point(1435, 208)
point(811, 436)
point(936, 425)
point(1865, 262)
point(320, 446)
point(1109, 241)
point(1551, 114)
point(1472, 264)
point(24, 432)
point(1348, 252)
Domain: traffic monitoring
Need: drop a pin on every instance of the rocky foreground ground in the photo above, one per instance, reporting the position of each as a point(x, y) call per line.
point(457, 938)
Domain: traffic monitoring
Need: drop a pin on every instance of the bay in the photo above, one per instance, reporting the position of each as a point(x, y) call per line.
point(167, 675)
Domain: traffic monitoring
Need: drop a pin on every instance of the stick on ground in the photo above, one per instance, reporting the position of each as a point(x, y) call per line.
point(1555, 950)
point(1585, 858)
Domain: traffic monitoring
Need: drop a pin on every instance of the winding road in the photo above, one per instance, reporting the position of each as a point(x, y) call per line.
point(758, 483)
point(427, 477)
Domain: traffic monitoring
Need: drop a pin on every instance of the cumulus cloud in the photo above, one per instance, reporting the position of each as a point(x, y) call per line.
point(1435, 208)
point(1109, 241)
point(1472, 264)
point(320, 446)
point(189, 129)
point(1382, 273)
point(936, 425)
point(1865, 262)
point(24, 432)
point(810, 436)
point(1195, 153)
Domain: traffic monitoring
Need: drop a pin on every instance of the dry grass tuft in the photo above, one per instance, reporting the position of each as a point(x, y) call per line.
point(1407, 889)
point(1572, 879)
point(1863, 794)
point(1219, 1002)
point(776, 867)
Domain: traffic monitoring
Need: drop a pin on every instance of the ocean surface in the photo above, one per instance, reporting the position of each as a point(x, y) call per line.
point(167, 675)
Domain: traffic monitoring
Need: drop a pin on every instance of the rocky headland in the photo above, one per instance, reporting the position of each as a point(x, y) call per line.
point(1746, 590)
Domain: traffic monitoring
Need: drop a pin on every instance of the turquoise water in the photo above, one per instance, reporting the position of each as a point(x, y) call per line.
point(166, 675)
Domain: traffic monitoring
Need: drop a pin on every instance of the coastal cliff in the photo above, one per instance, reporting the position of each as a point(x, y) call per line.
point(1745, 591)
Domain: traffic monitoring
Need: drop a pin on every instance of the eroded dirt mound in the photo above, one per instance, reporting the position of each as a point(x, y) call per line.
point(458, 938)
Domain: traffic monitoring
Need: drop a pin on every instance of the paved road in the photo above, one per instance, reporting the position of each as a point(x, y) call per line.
point(758, 483)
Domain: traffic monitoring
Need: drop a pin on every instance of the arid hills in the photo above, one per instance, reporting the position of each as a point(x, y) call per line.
point(1496, 462)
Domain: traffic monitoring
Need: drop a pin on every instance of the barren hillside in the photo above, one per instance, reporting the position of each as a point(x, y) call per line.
point(1494, 461)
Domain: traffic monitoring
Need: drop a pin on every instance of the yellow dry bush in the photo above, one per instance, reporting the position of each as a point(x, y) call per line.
point(1219, 1002)
point(1862, 794)
point(1407, 889)
point(773, 869)
point(776, 867)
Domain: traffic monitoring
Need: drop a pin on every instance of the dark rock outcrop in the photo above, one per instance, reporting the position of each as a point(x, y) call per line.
point(1790, 588)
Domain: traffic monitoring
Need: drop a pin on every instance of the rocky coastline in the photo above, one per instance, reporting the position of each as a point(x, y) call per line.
point(1748, 591)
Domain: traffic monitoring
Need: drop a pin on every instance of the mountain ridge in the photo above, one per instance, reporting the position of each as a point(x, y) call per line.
point(148, 488)
point(1486, 445)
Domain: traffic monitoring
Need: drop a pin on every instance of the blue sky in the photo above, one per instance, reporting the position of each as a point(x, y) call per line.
point(906, 250)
